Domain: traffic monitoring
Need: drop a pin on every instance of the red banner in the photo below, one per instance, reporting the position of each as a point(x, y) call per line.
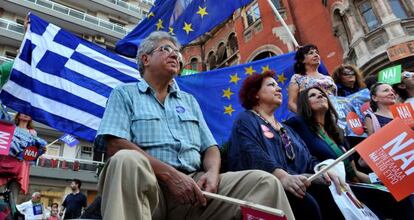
point(6, 136)
point(403, 111)
point(253, 214)
point(390, 154)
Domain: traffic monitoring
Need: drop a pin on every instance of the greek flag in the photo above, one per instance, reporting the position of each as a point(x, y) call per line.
point(64, 81)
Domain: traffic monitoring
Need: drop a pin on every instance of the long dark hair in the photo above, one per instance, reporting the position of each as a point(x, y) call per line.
point(17, 121)
point(331, 116)
point(299, 66)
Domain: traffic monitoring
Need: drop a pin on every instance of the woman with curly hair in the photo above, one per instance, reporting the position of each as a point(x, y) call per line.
point(348, 79)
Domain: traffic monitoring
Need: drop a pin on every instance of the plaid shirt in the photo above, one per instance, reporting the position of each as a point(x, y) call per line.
point(174, 132)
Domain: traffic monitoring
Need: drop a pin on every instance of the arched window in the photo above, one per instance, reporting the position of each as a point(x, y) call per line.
point(341, 29)
point(221, 53)
point(263, 55)
point(232, 44)
point(194, 63)
point(211, 60)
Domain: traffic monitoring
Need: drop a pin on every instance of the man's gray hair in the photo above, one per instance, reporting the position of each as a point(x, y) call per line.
point(150, 43)
point(36, 194)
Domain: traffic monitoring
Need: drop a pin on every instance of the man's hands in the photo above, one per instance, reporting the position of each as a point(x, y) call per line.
point(184, 189)
point(209, 182)
point(296, 184)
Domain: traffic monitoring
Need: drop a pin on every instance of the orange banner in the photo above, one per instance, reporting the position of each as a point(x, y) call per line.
point(404, 111)
point(390, 154)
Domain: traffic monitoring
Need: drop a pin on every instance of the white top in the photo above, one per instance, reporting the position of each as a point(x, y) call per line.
point(31, 211)
point(410, 100)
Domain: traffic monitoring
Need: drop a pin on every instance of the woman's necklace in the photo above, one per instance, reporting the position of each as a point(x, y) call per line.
point(276, 125)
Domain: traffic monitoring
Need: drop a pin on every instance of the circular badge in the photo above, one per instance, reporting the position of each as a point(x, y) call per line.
point(180, 109)
point(264, 128)
point(30, 153)
point(355, 123)
point(268, 134)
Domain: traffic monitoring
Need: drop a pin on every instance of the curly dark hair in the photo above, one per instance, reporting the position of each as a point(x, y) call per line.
point(250, 88)
point(336, 75)
point(299, 66)
point(331, 116)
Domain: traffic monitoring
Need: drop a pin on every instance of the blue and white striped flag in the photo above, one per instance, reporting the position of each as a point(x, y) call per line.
point(64, 81)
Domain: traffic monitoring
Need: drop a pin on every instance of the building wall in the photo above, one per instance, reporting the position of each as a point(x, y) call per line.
point(367, 45)
point(313, 24)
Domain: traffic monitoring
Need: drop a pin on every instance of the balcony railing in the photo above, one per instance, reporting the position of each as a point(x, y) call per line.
point(11, 26)
point(80, 15)
point(75, 164)
point(128, 6)
point(4, 59)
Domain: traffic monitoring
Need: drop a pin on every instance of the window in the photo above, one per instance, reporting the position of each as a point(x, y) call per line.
point(252, 14)
point(194, 63)
point(368, 14)
point(10, 54)
point(86, 153)
point(398, 9)
point(212, 60)
point(221, 53)
point(277, 4)
point(232, 44)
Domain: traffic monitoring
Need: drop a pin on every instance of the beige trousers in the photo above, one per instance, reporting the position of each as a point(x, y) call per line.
point(130, 190)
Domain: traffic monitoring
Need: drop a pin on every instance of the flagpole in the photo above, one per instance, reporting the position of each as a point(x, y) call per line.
point(247, 204)
point(283, 23)
point(339, 159)
point(48, 145)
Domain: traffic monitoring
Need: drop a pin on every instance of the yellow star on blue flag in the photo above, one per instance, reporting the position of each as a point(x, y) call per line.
point(234, 78)
point(217, 91)
point(249, 70)
point(281, 78)
point(190, 19)
point(227, 93)
point(228, 109)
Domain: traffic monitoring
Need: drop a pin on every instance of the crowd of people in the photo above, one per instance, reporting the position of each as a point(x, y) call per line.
point(71, 208)
point(163, 156)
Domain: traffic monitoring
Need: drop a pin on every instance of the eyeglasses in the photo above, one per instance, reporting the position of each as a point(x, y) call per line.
point(348, 72)
point(168, 49)
point(287, 144)
point(407, 74)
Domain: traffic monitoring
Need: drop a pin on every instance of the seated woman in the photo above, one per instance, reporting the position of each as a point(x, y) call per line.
point(317, 126)
point(259, 141)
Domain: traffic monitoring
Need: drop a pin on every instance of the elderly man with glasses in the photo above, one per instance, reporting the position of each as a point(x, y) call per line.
point(164, 155)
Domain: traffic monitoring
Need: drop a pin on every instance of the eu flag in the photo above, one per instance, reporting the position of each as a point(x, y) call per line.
point(217, 91)
point(186, 19)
